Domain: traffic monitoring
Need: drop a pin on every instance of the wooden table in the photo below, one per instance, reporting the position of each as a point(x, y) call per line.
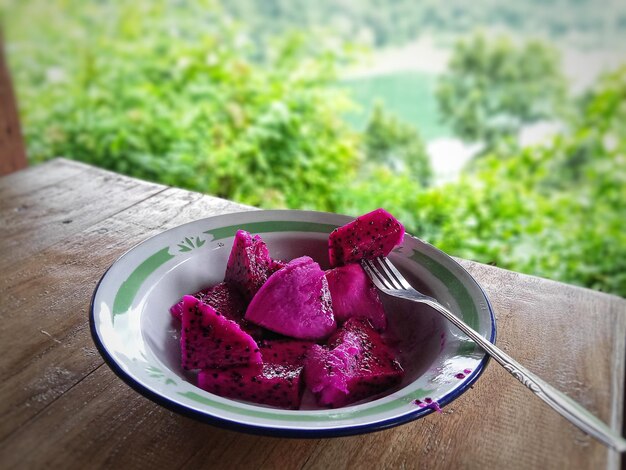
point(63, 223)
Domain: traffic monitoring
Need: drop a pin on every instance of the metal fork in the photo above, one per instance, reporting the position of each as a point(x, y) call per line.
point(388, 279)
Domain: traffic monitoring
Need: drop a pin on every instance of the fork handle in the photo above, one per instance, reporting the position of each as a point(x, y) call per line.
point(560, 402)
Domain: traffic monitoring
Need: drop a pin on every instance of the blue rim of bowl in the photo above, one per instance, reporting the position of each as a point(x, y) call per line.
point(287, 432)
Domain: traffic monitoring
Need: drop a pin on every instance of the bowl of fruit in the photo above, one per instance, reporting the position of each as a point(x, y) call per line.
point(265, 321)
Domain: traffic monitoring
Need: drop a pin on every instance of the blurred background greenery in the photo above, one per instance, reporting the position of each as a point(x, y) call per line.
point(494, 130)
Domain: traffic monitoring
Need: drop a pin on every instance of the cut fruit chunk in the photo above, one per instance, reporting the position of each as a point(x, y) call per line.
point(368, 236)
point(357, 364)
point(227, 301)
point(354, 295)
point(222, 297)
point(279, 383)
point(295, 301)
point(287, 352)
point(249, 264)
point(210, 340)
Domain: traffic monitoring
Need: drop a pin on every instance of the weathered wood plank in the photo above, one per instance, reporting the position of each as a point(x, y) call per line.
point(35, 217)
point(49, 295)
point(45, 174)
point(88, 423)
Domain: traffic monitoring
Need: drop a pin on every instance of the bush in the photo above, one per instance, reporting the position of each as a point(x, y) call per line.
point(396, 144)
point(493, 87)
point(178, 103)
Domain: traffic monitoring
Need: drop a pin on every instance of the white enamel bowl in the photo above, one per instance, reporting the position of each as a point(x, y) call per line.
point(135, 334)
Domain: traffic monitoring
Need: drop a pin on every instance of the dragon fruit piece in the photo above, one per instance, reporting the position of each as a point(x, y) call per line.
point(249, 264)
point(276, 265)
point(176, 310)
point(325, 374)
point(227, 301)
point(353, 294)
point(222, 297)
point(210, 340)
point(275, 386)
point(368, 236)
point(355, 365)
point(290, 352)
point(279, 383)
point(295, 301)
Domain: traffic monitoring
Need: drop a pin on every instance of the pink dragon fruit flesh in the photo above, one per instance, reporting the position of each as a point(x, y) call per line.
point(279, 383)
point(210, 340)
point(249, 264)
point(353, 294)
point(290, 352)
point(276, 265)
point(222, 297)
point(227, 301)
point(295, 301)
point(356, 364)
point(275, 386)
point(368, 236)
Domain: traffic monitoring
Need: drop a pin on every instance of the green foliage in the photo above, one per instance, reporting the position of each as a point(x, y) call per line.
point(395, 144)
point(493, 87)
point(177, 102)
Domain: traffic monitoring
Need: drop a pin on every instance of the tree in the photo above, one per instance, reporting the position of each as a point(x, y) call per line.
point(397, 145)
point(493, 87)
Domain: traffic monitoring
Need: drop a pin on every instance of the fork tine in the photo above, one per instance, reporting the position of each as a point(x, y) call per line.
point(376, 277)
point(387, 273)
point(393, 272)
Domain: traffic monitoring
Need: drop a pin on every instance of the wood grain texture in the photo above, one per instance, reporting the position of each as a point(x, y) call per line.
point(62, 407)
point(12, 149)
point(36, 216)
point(43, 364)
